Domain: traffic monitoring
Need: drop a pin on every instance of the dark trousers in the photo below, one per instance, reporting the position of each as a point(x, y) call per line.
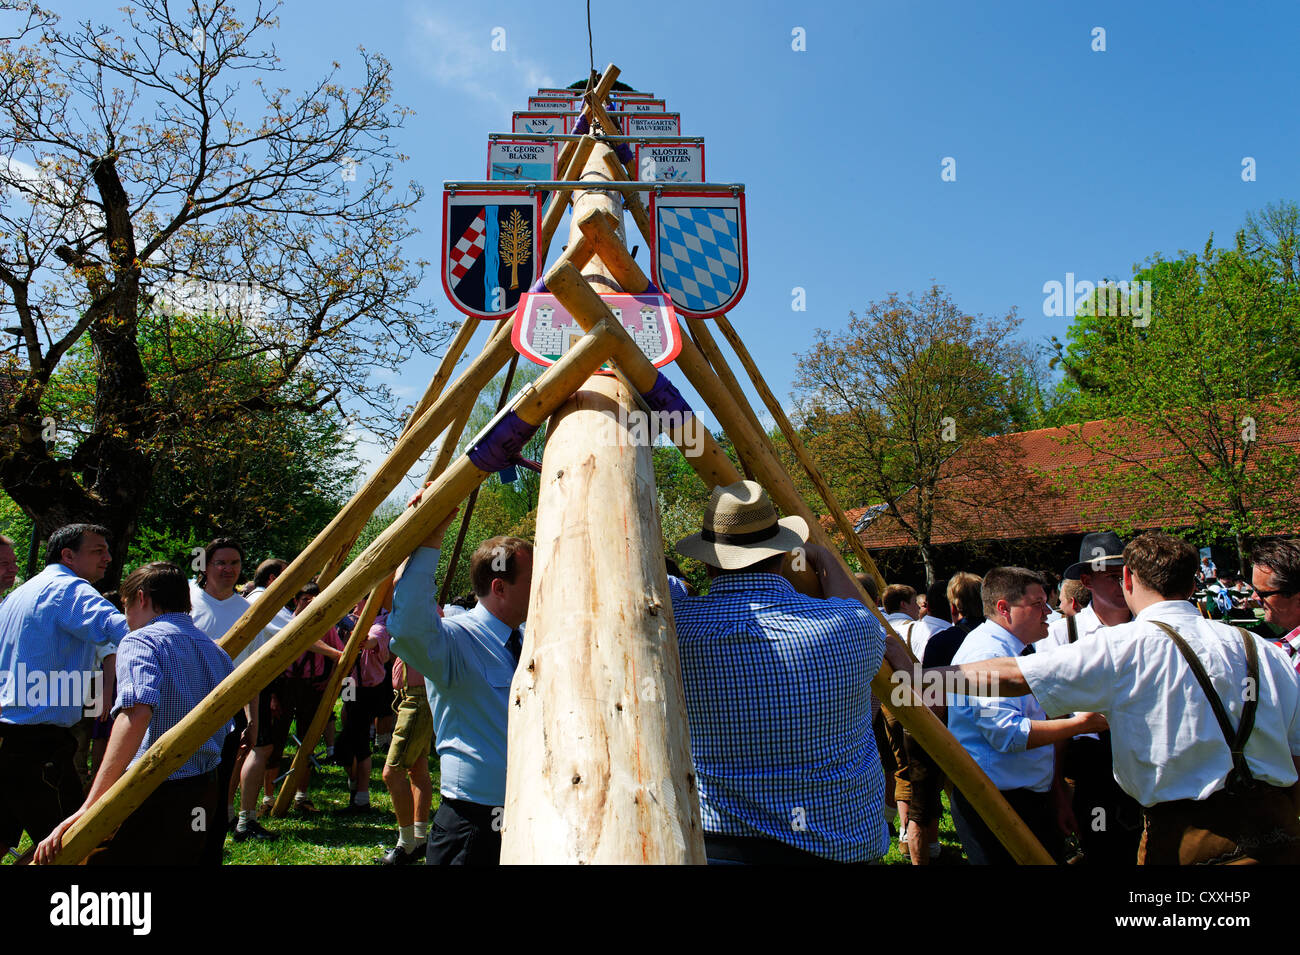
point(214, 845)
point(984, 848)
point(747, 850)
point(464, 833)
point(1110, 820)
point(170, 827)
point(39, 786)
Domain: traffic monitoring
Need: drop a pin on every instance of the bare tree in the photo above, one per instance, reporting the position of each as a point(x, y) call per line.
point(155, 171)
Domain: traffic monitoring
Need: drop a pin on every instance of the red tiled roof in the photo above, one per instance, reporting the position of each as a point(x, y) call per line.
point(1050, 469)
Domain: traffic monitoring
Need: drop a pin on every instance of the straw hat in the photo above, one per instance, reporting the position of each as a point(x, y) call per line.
point(741, 528)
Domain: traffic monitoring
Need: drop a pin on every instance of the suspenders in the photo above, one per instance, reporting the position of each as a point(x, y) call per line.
point(1072, 628)
point(1240, 778)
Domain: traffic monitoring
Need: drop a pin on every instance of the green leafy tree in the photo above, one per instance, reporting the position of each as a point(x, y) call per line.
point(1202, 392)
point(908, 406)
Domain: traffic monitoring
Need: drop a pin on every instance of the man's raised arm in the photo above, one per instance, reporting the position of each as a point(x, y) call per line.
point(414, 625)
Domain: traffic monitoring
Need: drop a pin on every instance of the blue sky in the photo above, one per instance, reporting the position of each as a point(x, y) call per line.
point(1067, 159)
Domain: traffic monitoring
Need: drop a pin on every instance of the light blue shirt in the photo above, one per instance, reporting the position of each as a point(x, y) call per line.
point(995, 729)
point(170, 665)
point(467, 672)
point(49, 628)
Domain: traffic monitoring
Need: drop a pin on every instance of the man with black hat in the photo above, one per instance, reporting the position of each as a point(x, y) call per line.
point(777, 693)
point(1206, 716)
point(1109, 820)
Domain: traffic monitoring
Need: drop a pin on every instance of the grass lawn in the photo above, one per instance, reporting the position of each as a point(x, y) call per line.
point(331, 837)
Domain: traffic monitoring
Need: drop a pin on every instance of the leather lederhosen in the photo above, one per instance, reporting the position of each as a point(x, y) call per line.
point(1247, 822)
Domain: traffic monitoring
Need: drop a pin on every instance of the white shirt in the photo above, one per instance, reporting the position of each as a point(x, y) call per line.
point(1086, 624)
point(908, 631)
point(215, 618)
point(281, 619)
point(995, 730)
point(1165, 741)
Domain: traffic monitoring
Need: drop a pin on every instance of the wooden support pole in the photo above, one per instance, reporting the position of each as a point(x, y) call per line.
point(455, 348)
point(534, 405)
point(601, 229)
point(914, 716)
point(632, 201)
point(349, 521)
point(560, 200)
point(602, 89)
point(297, 777)
point(800, 452)
point(699, 331)
point(600, 765)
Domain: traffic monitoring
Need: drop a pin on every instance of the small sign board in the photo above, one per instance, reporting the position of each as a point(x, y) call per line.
point(670, 162)
point(489, 249)
point(557, 91)
point(544, 331)
point(631, 94)
point(652, 124)
point(551, 104)
point(542, 123)
point(638, 106)
point(509, 159)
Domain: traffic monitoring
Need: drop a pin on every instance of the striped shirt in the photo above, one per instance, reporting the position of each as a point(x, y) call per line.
point(170, 665)
point(779, 703)
point(49, 628)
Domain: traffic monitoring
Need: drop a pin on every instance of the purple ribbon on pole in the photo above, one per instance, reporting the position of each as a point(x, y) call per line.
point(664, 397)
point(502, 444)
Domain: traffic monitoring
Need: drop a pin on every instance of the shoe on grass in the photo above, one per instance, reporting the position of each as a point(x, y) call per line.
point(304, 806)
point(398, 856)
point(255, 831)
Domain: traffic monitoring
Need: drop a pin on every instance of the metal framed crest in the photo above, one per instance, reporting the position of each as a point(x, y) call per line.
point(544, 330)
point(489, 249)
point(526, 122)
point(513, 159)
point(699, 250)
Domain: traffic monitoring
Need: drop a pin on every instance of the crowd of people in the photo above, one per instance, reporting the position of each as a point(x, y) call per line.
point(1119, 721)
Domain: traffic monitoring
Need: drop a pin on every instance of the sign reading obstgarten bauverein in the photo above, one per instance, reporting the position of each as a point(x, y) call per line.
point(544, 331)
point(670, 162)
point(489, 249)
point(699, 250)
point(652, 124)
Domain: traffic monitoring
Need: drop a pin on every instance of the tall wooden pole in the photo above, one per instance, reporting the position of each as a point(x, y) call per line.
point(533, 405)
point(599, 756)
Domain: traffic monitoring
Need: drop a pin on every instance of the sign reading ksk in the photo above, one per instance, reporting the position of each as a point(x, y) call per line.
point(489, 249)
point(542, 122)
point(508, 159)
point(652, 124)
point(544, 330)
point(670, 162)
point(699, 250)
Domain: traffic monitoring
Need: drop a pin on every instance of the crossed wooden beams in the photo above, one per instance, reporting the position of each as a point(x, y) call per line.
point(595, 233)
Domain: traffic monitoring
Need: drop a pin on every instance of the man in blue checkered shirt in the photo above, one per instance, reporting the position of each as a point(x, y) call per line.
point(778, 694)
